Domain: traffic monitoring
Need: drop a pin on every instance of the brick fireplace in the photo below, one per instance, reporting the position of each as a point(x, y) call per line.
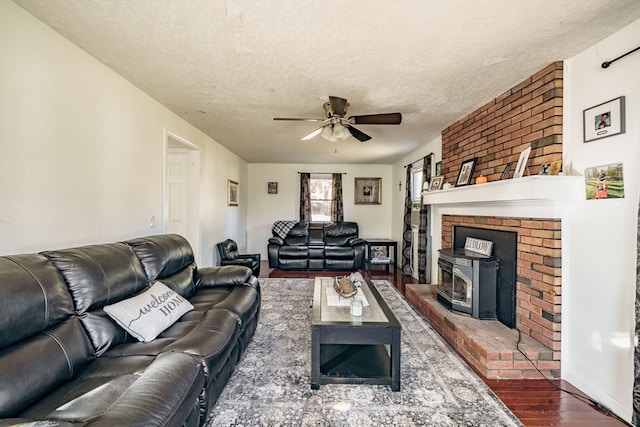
point(534, 207)
point(489, 346)
point(538, 271)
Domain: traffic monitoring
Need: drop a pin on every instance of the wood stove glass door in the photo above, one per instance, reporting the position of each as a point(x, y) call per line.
point(462, 288)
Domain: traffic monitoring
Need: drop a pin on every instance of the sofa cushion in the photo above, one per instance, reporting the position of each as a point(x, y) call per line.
point(338, 252)
point(36, 366)
point(294, 252)
point(298, 235)
point(163, 256)
point(97, 275)
point(339, 233)
point(146, 315)
point(31, 289)
point(138, 390)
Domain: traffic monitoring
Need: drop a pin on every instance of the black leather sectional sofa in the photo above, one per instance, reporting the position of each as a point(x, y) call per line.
point(316, 246)
point(65, 362)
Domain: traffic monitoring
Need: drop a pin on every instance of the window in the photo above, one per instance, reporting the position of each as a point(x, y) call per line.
point(321, 193)
point(416, 184)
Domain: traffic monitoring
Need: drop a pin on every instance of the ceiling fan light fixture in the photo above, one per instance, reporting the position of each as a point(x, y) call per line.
point(335, 132)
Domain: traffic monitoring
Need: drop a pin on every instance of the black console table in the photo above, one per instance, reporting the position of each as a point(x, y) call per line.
point(387, 243)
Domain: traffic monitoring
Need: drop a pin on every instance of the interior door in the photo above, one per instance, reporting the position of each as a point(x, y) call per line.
point(177, 181)
point(181, 190)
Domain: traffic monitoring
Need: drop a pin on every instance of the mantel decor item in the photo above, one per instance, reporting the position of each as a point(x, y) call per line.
point(272, 187)
point(436, 183)
point(232, 193)
point(603, 120)
point(466, 172)
point(505, 172)
point(522, 163)
point(555, 166)
point(367, 191)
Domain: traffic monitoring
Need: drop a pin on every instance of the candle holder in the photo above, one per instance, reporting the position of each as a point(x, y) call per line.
point(355, 308)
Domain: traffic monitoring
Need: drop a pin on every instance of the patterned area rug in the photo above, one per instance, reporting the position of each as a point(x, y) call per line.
point(271, 385)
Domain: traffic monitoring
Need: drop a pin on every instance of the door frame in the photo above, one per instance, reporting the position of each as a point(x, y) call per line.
point(170, 140)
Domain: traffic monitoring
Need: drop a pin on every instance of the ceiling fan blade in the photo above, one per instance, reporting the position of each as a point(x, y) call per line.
point(338, 105)
point(359, 135)
point(312, 134)
point(377, 119)
point(299, 119)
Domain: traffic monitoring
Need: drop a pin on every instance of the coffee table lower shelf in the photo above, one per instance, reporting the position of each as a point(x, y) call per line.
point(354, 364)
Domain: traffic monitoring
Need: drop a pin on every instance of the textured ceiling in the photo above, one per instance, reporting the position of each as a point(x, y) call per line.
point(229, 67)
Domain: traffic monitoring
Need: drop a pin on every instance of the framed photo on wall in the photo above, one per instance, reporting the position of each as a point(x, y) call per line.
point(603, 120)
point(232, 193)
point(272, 188)
point(367, 191)
point(466, 172)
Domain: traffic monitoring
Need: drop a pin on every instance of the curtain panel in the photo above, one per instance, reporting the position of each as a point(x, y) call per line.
point(406, 227)
point(424, 245)
point(337, 208)
point(305, 196)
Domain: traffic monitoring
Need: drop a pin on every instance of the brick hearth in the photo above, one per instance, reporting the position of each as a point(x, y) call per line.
point(487, 345)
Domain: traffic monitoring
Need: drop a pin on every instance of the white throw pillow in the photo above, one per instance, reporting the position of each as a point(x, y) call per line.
point(146, 315)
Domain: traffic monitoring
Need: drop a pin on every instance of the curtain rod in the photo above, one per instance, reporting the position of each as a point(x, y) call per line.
point(422, 158)
point(606, 64)
point(326, 173)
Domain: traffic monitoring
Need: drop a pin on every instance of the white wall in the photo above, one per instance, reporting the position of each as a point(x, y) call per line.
point(81, 150)
point(373, 220)
point(598, 301)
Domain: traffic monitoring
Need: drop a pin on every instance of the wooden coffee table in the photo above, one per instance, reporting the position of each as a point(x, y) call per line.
point(350, 349)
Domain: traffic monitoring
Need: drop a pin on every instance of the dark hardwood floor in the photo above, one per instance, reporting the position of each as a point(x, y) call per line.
point(534, 402)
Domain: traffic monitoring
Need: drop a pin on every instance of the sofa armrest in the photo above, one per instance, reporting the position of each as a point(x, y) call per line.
point(226, 275)
point(249, 257)
point(276, 240)
point(246, 262)
point(355, 241)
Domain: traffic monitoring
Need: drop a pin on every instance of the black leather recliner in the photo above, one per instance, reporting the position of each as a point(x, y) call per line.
point(228, 255)
point(316, 246)
point(64, 362)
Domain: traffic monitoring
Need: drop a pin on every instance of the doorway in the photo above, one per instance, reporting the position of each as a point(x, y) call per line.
point(181, 195)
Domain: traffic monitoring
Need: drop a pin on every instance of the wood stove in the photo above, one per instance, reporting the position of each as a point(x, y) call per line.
point(467, 282)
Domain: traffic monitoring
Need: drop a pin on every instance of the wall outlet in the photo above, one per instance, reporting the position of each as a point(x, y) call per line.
point(152, 221)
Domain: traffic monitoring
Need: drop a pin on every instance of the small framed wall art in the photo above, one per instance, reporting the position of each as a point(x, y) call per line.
point(466, 172)
point(603, 120)
point(232, 193)
point(272, 187)
point(367, 191)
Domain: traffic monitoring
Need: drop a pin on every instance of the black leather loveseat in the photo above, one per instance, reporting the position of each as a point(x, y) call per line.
point(315, 246)
point(65, 362)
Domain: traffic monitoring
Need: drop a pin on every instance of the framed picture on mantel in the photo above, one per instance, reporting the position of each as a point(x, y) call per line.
point(466, 172)
point(522, 163)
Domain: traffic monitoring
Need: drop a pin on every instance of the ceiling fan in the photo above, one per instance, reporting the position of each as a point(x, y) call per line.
point(338, 127)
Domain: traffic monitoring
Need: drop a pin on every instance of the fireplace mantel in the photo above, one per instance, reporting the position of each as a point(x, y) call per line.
point(540, 188)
